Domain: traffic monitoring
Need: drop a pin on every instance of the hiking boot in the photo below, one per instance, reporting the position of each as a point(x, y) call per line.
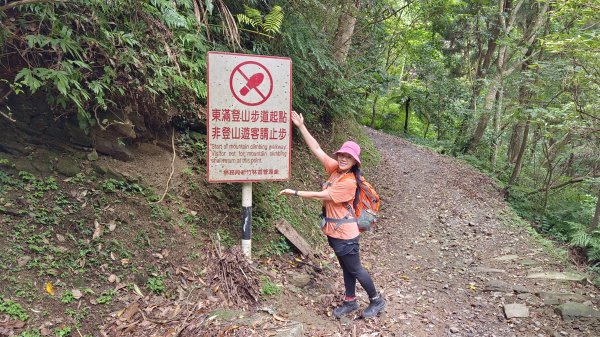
point(346, 308)
point(375, 307)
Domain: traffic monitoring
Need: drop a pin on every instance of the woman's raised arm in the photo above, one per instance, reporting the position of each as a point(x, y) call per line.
point(312, 143)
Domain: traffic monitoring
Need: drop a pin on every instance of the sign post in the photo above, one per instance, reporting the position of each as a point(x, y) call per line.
point(248, 124)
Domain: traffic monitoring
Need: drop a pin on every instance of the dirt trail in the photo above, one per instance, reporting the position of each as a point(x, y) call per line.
point(444, 228)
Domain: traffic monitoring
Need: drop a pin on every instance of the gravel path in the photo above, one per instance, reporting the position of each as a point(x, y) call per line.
point(448, 258)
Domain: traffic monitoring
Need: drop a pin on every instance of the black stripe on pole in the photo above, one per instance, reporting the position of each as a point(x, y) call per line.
point(247, 219)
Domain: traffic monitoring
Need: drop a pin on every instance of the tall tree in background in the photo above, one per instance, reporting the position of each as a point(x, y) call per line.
point(345, 29)
point(507, 60)
point(596, 218)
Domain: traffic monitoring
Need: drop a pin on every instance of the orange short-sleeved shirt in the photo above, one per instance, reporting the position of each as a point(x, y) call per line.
point(341, 188)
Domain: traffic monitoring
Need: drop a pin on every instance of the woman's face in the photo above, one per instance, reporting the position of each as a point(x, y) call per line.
point(345, 161)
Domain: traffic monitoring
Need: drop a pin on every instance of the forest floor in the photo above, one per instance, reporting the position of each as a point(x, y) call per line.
point(90, 256)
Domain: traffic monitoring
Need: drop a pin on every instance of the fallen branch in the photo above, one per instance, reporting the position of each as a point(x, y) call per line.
point(566, 183)
point(13, 213)
point(233, 275)
point(264, 272)
point(105, 127)
point(8, 117)
point(9, 114)
point(185, 324)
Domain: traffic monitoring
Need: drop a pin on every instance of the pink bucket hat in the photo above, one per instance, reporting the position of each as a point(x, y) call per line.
point(352, 149)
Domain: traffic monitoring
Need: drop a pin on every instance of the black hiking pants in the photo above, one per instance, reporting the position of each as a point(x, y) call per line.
point(348, 255)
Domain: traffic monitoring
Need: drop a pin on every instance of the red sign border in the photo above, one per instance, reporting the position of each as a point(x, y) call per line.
point(207, 116)
point(233, 91)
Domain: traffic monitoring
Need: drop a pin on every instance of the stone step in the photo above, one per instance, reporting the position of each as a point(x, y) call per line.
point(506, 258)
point(516, 310)
point(573, 310)
point(560, 276)
point(554, 298)
point(500, 286)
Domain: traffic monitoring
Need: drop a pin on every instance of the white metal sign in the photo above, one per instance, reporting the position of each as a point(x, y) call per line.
point(249, 124)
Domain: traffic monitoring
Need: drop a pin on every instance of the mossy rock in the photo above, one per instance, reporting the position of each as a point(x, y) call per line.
point(24, 164)
point(42, 161)
point(67, 166)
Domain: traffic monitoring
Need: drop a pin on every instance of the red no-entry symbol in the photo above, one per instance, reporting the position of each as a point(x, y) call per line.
point(251, 83)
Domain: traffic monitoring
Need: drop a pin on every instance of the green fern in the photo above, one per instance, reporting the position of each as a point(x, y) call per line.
point(594, 253)
point(254, 15)
point(580, 236)
point(174, 19)
point(251, 17)
point(246, 20)
point(271, 23)
point(273, 20)
point(186, 4)
point(581, 239)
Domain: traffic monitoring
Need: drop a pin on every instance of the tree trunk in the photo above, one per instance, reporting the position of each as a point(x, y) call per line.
point(438, 122)
point(517, 136)
point(547, 182)
point(517, 169)
point(555, 148)
point(496, 126)
point(569, 169)
point(484, 62)
point(460, 140)
point(533, 152)
point(516, 139)
point(345, 30)
point(483, 119)
point(374, 109)
point(406, 115)
point(596, 218)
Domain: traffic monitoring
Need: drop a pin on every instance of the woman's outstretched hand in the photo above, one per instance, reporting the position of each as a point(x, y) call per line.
point(287, 191)
point(297, 118)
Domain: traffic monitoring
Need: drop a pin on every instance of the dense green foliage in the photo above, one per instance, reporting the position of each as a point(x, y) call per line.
point(511, 86)
point(130, 57)
point(98, 56)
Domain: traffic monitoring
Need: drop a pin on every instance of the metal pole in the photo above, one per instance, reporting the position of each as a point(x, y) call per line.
point(247, 219)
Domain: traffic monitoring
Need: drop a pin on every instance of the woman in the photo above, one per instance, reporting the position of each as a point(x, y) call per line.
point(339, 224)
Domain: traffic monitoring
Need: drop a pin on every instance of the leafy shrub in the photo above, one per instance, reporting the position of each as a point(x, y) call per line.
point(114, 185)
point(31, 333)
point(13, 309)
point(268, 287)
point(279, 247)
point(93, 56)
point(67, 297)
point(156, 285)
point(106, 297)
point(62, 332)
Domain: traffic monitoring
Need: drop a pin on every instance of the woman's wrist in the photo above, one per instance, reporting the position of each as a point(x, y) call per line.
point(296, 193)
